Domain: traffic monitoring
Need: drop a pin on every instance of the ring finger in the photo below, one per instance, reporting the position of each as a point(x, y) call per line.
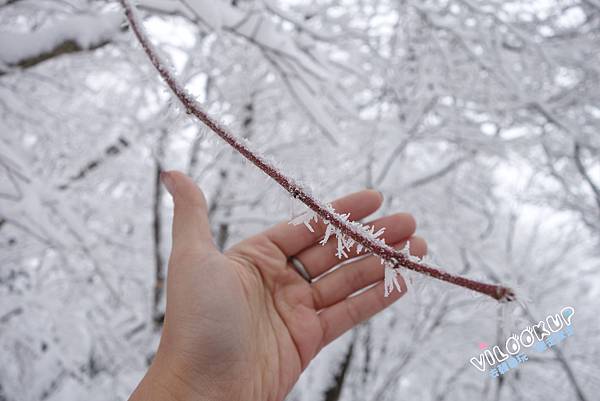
point(347, 279)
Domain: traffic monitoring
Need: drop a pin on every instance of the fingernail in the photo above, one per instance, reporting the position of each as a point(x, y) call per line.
point(168, 182)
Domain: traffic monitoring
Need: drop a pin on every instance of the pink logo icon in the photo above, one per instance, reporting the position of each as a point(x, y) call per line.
point(483, 345)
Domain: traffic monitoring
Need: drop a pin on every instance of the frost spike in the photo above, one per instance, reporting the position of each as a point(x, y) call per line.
point(334, 219)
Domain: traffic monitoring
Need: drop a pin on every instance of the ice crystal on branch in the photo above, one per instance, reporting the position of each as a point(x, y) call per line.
point(390, 280)
point(349, 232)
point(345, 242)
point(305, 218)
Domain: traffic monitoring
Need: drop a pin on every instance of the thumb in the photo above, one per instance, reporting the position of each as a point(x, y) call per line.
point(191, 228)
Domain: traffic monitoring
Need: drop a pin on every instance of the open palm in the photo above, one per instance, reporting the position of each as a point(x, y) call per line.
point(244, 324)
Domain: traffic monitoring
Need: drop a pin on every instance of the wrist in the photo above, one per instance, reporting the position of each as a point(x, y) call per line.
point(170, 380)
point(185, 380)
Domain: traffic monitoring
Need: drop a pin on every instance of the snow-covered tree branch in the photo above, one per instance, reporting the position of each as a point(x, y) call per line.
point(67, 35)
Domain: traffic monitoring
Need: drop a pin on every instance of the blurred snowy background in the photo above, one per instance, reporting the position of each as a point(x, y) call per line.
point(481, 117)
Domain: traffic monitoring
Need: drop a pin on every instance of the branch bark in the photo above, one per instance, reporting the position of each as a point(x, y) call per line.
point(584, 173)
point(158, 315)
point(334, 392)
point(393, 257)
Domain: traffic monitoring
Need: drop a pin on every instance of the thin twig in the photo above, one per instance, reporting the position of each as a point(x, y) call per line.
point(394, 257)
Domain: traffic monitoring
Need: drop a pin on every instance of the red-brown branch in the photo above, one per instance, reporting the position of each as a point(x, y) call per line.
point(386, 252)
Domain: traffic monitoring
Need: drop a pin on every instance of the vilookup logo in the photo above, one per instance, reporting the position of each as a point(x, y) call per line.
point(539, 337)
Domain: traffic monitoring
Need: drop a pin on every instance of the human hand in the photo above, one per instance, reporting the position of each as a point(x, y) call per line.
point(243, 324)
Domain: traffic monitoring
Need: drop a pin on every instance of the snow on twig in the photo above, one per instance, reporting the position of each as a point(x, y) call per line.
point(348, 233)
point(81, 31)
